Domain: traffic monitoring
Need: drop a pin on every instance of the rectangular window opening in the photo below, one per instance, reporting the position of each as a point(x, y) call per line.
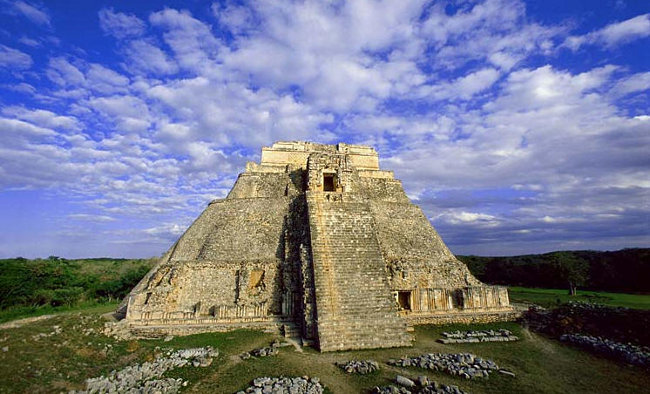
point(328, 183)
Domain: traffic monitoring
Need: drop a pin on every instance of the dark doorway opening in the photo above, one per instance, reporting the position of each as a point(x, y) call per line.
point(457, 299)
point(404, 300)
point(329, 183)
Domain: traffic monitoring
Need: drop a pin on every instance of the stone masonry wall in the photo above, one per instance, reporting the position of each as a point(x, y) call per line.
point(268, 185)
point(235, 230)
point(382, 189)
point(235, 242)
point(201, 288)
point(337, 263)
point(414, 252)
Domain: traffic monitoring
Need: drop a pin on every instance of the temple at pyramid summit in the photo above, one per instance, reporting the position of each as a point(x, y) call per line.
point(320, 243)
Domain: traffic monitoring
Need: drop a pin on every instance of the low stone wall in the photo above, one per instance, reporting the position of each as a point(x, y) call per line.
point(501, 335)
point(462, 317)
point(124, 330)
point(637, 355)
point(618, 324)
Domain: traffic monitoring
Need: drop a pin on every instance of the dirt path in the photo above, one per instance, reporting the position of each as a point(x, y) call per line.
point(537, 341)
point(22, 322)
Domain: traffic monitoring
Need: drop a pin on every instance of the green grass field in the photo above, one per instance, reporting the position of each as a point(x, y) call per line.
point(62, 362)
point(553, 297)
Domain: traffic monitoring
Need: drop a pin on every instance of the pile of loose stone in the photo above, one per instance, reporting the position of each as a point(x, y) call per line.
point(464, 365)
point(361, 367)
point(500, 335)
point(637, 355)
point(261, 352)
point(281, 385)
point(147, 377)
point(266, 351)
point(421, 385)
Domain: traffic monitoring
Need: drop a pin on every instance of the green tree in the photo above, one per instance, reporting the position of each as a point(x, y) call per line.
point(573, 270)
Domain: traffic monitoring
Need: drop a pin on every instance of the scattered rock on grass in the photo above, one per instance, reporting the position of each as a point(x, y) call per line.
point(404, 381)
point(464, 365)
point(56, 330)
point(501, 335)
point(423, 386)
point(266, 351)
point(261, 352)
point(637, 355)
point(147, 377)
point(297, 385)
point(361, 367)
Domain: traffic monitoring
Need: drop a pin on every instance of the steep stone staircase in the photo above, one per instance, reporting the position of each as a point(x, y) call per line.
point(354, 305)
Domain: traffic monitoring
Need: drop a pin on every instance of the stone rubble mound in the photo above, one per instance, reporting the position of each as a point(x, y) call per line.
point(637, 355)
point(501, 335)
point(420, 385)
point(145, 378)
point(464, 365)
point(285, 385)
point(361, 367)
point(263, 351)
point(623, 325)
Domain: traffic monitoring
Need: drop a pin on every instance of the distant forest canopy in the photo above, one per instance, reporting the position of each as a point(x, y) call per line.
point(56, 282)
point(626, 270)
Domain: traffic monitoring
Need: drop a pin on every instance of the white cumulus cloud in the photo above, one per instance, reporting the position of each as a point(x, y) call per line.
point(614, 34)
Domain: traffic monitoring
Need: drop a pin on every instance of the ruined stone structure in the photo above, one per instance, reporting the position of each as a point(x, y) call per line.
point(318, 239)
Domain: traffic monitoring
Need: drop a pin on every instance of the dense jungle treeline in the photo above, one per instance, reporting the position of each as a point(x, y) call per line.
point(53, 283)
point(626, 270)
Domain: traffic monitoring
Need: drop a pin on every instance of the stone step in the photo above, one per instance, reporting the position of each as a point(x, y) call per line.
point(395, 338)
point(375, 327)
point(291, 331)
point(355, 308)
point(334, 335)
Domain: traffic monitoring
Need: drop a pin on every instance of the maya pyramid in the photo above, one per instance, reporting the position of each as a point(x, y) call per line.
point(320, 242)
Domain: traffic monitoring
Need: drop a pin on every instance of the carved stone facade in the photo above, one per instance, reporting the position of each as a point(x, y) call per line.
point(315, 236)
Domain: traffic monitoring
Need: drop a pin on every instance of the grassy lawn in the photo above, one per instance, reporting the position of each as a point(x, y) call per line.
point(62, 362)
point(552, 297)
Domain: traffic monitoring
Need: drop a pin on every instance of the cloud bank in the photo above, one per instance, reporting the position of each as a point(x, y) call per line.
point(507, 146)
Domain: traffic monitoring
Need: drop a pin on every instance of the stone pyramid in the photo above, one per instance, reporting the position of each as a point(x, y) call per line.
point(318, 240)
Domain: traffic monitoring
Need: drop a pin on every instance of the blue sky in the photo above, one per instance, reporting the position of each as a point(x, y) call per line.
point(518, 127)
